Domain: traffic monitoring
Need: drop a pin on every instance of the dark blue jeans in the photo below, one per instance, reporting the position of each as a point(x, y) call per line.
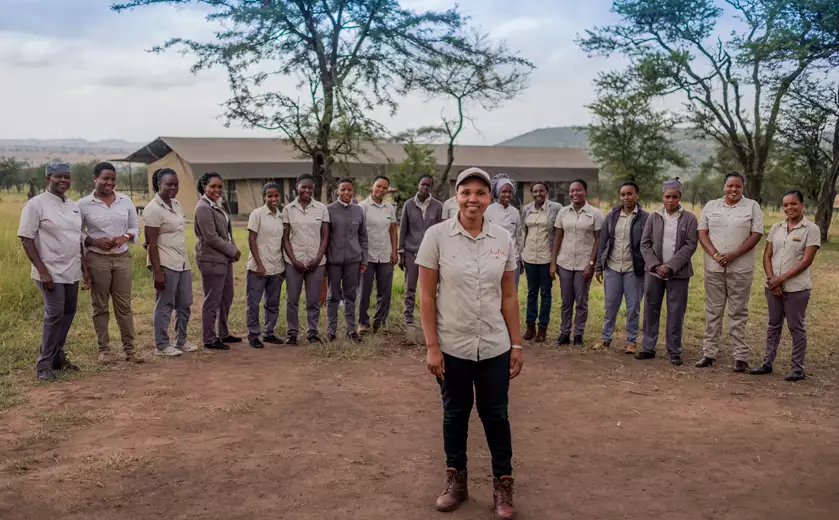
point(539, 282)
point(490, 380)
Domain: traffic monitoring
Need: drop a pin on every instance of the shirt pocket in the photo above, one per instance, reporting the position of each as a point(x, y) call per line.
point(742, 220)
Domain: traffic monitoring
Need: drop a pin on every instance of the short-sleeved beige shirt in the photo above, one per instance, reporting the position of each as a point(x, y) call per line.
point(537, 249)
point(788, 249)
point(379, 219)
point(305, 231)
point(578, 235)
point(450, 208)
point(728, 227)
point(171, 240)
point(469, 320)
point(269, 240)
point(620, 257)
point(55, 225)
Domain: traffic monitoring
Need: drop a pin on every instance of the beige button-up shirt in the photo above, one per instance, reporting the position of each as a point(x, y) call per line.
point(620, 257)
point(269, 240)
point(101, 221)
point(55, 225)
point(171, 241)
point(469, 320)
point(510, 219)
point(423, 205)
point(788, 249)
point(728, 227)
point(537, 249)
point(450, 208)
point(671, 229)
point(379, 219)
point(305, 229)
point(578, 238)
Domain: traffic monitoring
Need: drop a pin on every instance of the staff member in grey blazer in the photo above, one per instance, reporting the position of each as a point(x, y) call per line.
point(164, 224)
point(305, 239)
point(418, 214)
point(265, 266)
point(382, 237)
point(215, 253)
point(110, 223)
point(620, 265)
point(346, 257)
point(791, 247)
point(51, 234)
point(669, 241)
point(539, 217)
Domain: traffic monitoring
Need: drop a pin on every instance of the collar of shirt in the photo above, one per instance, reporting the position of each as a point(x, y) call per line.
point(456, 228)
point(278, 214)
point(421, 204)
point(740, 203)
point(663, 212)
point(587, 208)
point(93, 198)
point(345, 204)
point(633, 212)
point(163, 204)
point(374, 203)
point(216, 203)
point(785, 223)
point(65, 200)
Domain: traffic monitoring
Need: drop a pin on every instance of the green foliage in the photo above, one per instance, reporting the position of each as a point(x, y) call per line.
point(11, 172)
point(734, 84)
point(628, 138)
point(405, 176)
point(82, 177)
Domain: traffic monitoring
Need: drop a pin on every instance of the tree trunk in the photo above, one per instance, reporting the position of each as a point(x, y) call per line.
point(754, 171)
point(824, 211)
point(443, 185)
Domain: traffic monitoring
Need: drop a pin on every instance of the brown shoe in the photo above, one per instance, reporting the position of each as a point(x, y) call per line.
point(503, 498)
point(105, 358)
point(630, 348)
point(363, 329)
point(541, 335)
point(131, 357)
point(455, 492)
point(530, 333)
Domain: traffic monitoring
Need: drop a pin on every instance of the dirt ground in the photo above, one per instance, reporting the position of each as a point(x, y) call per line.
point(279, 434)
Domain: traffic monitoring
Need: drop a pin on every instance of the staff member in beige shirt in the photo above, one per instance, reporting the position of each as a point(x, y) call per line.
point(305, 239)
point(450, 208)
point(265, 266)
point(470, 316)
point(573, 258)
point(110, 223)
point(791, 247)
point(164, 225)
point(729, 230)
point(51, 234)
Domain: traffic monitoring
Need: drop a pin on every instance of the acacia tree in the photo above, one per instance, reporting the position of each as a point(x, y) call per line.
point(811, 142)
point(734, 85)
point(628, 138)
point(485, 76)
point(348, 56)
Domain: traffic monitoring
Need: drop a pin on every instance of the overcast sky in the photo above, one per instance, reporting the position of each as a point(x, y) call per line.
point(73, 68)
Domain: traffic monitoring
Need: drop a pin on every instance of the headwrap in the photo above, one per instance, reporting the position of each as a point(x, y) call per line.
point(499, 181)
point(57, 167)
point(671, 184)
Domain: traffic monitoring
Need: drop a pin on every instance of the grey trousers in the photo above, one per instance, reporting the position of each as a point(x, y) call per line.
point(343, 285)
point(256, 287)
point(574, 290)
point(59, 310)
point(411, 279)
point(294, 286)
point(616, 287)
point(178, 297)
point(217, 283)
point(382, 273)
point(676, 291)
point(792, 306)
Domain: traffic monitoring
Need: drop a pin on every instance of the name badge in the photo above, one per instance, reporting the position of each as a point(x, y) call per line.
point(796, 239)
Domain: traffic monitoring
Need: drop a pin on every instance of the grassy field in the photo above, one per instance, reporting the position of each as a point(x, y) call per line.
point(21, 313)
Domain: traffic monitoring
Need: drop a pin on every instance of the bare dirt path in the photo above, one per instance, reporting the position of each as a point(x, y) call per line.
point(278, 434)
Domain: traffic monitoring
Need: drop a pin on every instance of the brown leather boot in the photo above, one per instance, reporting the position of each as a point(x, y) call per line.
point(530, 333)
point(541, 335)
point(503, 498)
point(455, 492)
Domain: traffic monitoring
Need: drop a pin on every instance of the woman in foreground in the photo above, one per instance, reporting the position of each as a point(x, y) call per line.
point(469, 310)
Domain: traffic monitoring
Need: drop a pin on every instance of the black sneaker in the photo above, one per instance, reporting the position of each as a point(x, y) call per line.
point(563, 339)
point(376, 327)
point(676, 361)
point(255, 343)
point(797, 375)
point(329, 338)
point(291, 340)
point(740, 366)
point(761, 370)
point(578, 341)
point(313, 339)
point(65, 364)
point(231, 339)
point(46, 374)
point(216, 345)
point(354, 337)
point(643, 355)
point(274, 340)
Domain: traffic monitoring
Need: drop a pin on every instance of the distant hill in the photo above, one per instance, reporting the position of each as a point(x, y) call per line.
point(36, 151)
point(697, 149)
